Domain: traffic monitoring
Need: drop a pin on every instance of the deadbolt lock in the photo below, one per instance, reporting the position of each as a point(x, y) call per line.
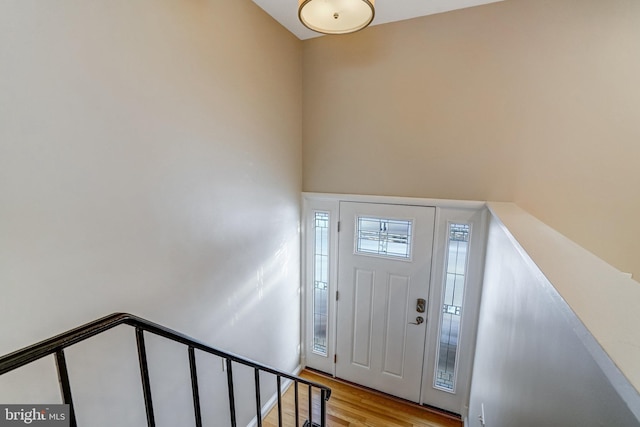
point(421, 306)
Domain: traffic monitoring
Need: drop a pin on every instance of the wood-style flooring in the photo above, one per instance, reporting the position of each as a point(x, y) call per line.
point(355, 406)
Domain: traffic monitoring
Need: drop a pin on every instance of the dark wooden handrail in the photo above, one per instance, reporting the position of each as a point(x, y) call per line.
point(56, 345)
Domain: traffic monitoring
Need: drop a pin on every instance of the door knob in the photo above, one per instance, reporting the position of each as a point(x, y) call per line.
point(419, 321)
point(421, 305)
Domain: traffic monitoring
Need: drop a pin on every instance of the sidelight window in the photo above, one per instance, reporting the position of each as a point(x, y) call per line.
point(320, 282)
point(452, 306)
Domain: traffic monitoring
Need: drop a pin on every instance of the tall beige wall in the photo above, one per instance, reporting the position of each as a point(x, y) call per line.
point(150, 162)
point(530, 101)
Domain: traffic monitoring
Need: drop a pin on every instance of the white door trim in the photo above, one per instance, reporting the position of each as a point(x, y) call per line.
point(394, 200)
point(454, 210)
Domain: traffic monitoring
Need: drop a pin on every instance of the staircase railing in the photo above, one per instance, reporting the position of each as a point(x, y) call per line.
point(57, 344)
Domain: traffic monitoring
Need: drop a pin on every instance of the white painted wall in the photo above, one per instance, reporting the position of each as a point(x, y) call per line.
point(150, 162)
point(536, 364)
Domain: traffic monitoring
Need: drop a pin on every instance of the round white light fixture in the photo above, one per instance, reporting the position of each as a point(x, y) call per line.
point(336, 16)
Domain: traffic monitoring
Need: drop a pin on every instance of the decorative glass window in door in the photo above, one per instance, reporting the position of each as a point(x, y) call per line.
point(452, 301)
point(320, 282)
point(384, 237)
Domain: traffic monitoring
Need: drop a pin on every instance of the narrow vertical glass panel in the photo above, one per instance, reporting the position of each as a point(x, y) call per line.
point(386, 237)
point(320, 282)
point(455, 278)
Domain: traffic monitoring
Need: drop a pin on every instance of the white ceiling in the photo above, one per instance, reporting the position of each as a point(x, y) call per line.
point(286, 11)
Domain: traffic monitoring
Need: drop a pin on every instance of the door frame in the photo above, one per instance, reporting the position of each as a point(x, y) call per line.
point(473, 212)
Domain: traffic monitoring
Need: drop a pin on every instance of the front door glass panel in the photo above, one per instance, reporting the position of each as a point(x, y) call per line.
point(384, 237)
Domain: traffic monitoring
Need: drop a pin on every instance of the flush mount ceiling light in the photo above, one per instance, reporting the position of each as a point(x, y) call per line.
point(336, 16)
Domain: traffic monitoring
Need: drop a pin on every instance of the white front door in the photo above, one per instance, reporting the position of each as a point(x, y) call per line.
point(383, 283)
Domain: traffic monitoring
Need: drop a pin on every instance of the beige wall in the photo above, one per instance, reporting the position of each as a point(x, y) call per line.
point(150, 162)
point(529, 101)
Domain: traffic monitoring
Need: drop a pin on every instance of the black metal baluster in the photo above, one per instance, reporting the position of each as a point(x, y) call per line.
point(232, 399)
point(65, 385)
point(194, 387)
point(279, 385)
point(310, 406)
point(323, 407)
point(144, 374)
point(258, 404)
point(56, 346)
point(296, 404)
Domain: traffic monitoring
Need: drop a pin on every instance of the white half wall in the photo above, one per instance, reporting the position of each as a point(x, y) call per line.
point(536, 363)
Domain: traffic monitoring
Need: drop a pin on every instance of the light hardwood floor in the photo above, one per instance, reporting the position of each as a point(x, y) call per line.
point(355, 406)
